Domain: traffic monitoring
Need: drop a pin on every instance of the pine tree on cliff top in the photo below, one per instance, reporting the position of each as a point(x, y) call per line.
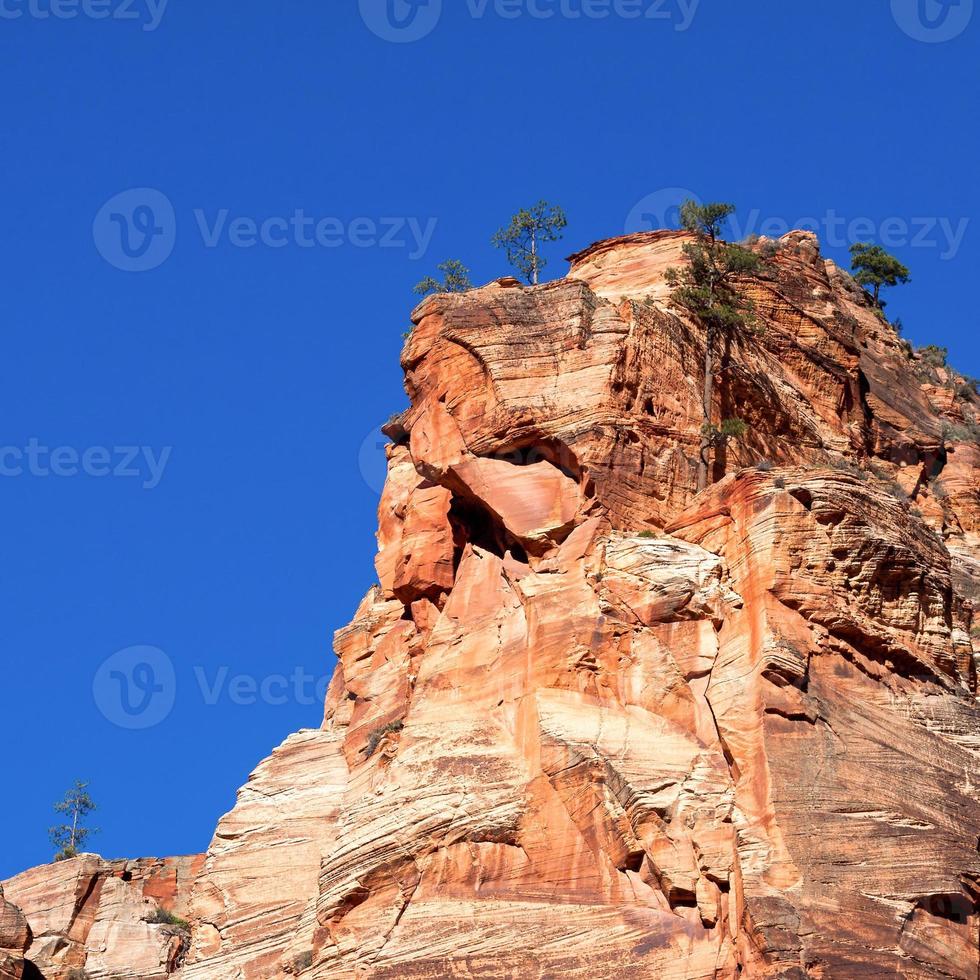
point(69, 838)
point(523, 237)
point(708, 288)
point(456, 279)
point(874, 267)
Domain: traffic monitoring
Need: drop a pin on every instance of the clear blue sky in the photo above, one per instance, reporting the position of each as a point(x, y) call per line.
point(264, 369)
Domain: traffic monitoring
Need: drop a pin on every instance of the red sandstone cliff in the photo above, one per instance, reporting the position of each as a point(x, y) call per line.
point(590, 724)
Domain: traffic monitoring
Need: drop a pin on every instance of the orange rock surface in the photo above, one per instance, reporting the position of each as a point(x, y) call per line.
point(90, 918)
point(15, 938)
point(591, 724)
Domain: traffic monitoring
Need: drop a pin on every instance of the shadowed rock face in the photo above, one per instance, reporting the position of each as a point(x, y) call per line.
point(591, 724)
point(15, 938)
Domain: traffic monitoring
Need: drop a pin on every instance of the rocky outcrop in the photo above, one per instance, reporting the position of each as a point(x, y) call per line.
point(590, 723)
point(93, 919)
point(15, 938)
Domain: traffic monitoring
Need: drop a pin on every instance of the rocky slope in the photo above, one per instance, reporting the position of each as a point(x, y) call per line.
point(592, 724)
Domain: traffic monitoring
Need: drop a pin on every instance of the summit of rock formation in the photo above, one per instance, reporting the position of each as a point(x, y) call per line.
point(590, 723)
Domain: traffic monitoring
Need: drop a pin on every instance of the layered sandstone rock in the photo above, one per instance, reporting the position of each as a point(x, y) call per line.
point(262, 867)
point(847, 708)
point(590, 723)
point(15, 938)
point(90, 918)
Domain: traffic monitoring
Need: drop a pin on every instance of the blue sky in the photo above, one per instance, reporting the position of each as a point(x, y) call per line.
point(213, 502)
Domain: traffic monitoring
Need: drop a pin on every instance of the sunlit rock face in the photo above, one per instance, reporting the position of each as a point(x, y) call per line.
point(590, 723)
point(104, 920)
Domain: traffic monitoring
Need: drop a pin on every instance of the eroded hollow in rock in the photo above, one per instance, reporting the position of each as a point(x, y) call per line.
point(472, 523)
point(552, 451)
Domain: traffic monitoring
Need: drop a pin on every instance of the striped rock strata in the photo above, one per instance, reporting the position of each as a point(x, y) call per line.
point(590, 723)
point(93, 920)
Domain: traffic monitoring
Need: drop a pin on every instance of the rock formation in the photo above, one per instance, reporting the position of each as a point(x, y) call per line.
point(591, 724)
point(15, 939)
point(92, 919)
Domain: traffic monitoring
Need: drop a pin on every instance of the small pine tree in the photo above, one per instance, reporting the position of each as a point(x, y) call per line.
point(937, 357)
point(707, 287)
point(523, 237)
point(874, 267)
point(69, 838)
point(457, 279)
